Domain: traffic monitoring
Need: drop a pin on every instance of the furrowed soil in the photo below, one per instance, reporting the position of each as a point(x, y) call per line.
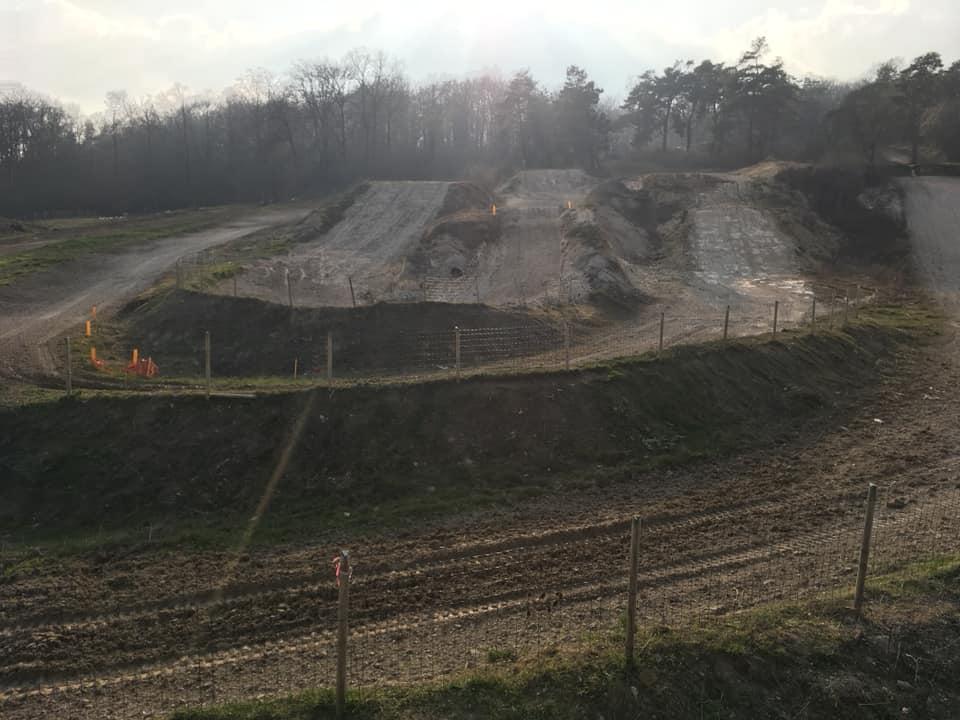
point(139, 620)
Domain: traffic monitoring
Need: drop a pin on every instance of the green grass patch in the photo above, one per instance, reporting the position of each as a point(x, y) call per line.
point(87, 239)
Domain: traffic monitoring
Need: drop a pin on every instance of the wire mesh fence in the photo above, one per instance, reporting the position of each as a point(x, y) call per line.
point(529, 600)
point(340, 348)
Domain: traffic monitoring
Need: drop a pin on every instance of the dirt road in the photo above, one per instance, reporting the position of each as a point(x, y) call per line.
point(46, 304)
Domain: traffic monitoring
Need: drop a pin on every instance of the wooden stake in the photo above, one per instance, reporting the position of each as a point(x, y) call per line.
point(456, 348)
point(343, 607)
point(296, 363)
point(776, 313)
point(329, 356)
point(660, 345)
point(69, 369)
point(206, 360)
point(353, 298)
point(726, 322)
point(813, 312)
point(632, 589)
point(865, 549)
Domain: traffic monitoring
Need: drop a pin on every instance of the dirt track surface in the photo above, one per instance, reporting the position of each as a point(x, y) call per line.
point(44, 305)
point(120, 636)
point(933, 218)
point(379, 233)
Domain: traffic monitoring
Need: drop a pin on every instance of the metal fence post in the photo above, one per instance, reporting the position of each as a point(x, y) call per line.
point(343, 606)
point(726, 322)
point(776, 314)
point(329, 356)
point(632, 589)
point(69, 369)
point(206, 361)
point(456, 348)
point(865, 548)
point(660, 344)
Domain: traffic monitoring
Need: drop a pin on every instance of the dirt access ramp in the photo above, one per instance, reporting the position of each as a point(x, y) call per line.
point(371, 247)
point(746, 239)
point(42, 306)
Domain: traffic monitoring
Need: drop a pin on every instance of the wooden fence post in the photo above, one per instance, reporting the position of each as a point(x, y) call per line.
point(329, 356)
point(865, 549)
point(353, 298)
point(632, 589)
point(296, 366)
point(69, 369)
point(813, 312)
point(776, 313)
point(660, 344)
point(343, 606)
point(206, 360)
point(456, 348)
point(566, 345)
point(726, 322)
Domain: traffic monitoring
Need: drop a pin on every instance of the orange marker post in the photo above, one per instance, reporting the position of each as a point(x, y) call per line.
point(493, 209)
point(136, 357)
point(93, 355)
point(89, 329)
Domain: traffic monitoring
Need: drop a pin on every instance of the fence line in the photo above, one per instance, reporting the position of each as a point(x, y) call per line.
point(334, 354)
point(441, 622)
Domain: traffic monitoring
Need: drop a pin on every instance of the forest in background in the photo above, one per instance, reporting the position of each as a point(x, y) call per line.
point(327, 123)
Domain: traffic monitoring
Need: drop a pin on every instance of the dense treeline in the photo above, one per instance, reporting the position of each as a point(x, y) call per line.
point(327, 123)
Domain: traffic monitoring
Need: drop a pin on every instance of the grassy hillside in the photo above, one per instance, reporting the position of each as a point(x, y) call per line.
point(113, 462)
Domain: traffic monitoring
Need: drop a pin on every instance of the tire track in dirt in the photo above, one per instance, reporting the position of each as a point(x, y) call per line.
point(820, 544)
point(143, 638)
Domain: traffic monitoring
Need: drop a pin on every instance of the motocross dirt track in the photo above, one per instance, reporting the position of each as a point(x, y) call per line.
point(116, 637)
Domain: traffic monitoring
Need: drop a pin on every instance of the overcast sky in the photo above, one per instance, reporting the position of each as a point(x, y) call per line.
point(77, 50)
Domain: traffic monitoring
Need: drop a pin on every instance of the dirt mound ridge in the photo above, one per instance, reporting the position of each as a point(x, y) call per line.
point(189, 457)
point(255, 338)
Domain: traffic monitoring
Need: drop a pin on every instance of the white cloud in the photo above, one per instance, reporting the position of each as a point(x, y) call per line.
point(79, 49)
